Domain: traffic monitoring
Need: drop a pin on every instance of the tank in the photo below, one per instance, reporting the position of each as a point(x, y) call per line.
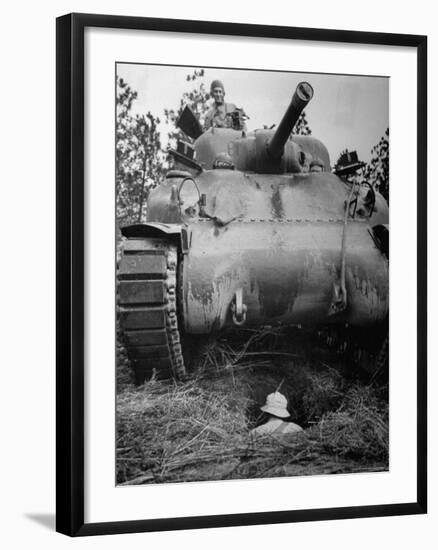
point(252, 229)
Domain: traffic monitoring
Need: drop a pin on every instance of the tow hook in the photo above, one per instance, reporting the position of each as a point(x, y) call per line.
point(339, 299)
point(238, 308)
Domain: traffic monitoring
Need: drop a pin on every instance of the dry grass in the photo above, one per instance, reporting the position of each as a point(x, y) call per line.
point(199, 429)
point(358, 429)
point(164, 429)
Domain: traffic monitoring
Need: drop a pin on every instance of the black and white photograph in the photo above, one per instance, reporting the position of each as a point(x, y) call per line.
point(252, 280)
point(217, 275)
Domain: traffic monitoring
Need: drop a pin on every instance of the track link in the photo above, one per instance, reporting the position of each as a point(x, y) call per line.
point(147, 308)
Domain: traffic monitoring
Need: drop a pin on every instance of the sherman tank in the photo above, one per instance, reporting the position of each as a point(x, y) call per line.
point(250, 229)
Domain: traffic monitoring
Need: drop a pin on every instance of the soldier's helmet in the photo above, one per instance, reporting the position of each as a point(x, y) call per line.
point(276, 404)
point(217, 84)
point(316, 165)
point(223, 161)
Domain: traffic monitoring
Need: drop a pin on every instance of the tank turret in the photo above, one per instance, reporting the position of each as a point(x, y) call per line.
point(266, 151)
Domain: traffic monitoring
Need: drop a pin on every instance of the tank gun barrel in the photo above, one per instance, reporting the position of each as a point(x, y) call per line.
point(303, 94)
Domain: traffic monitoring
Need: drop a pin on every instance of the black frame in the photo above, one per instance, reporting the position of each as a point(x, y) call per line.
point(70, 273)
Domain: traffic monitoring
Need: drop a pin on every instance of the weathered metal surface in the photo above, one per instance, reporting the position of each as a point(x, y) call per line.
point(137, 292)
point(286, 271)
point(150, 266)
point(280, 238)
point(249, 152)
point(146, 337)
point(140, 352)
point(143, 317)
point(237, 195)
point(213, 142)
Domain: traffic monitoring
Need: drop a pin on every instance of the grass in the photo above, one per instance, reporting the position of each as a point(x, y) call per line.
point(199, 429)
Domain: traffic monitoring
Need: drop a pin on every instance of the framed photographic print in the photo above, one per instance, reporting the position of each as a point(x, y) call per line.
point(241, 274)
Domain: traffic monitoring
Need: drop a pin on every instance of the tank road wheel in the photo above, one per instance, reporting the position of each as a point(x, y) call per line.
point(147, 285)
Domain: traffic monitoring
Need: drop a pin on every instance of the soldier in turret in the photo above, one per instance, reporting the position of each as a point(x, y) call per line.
point(220, 115)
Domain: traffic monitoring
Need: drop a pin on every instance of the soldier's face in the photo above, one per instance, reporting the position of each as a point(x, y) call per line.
point(218, 95)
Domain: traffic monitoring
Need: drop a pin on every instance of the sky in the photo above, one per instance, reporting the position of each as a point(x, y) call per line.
point(346, 112)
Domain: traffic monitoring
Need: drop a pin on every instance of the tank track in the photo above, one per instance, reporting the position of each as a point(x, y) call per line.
point(147, 308)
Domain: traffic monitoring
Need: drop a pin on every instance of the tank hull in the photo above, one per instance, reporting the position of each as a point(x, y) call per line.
point(286, 271)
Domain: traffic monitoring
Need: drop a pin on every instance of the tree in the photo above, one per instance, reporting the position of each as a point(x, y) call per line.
point(139, 158)
point(377, 170)
point(302, 127)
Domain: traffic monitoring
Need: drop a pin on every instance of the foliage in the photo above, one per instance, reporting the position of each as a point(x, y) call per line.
point(302, 127)
point(139, 159)
point(376, 172)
